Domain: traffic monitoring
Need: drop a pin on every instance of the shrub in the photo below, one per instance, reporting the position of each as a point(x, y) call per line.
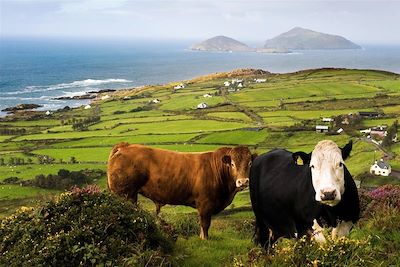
point(339, 252)
point(380, 199)
point(81, 227)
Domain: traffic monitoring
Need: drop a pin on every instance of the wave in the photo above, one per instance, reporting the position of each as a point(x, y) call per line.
point(74, 84)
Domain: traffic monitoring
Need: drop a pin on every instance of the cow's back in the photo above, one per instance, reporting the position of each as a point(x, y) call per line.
point(164, 176)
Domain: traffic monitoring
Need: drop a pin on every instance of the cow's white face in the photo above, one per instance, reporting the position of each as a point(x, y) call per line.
point(327, 171)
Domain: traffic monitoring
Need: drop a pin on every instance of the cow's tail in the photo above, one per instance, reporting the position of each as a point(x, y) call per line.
point(113, 153)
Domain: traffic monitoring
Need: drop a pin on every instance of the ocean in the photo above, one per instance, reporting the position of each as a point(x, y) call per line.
point(38, 70)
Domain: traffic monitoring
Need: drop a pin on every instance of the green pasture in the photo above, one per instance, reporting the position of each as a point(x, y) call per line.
point(307, 114)
point(391, 109)
point(138, 114)
point(236, 137)
point(10, 192)
point(230, 115)
point(133, 139)
point(89, 154)
point(31, 123)
point(63, 135)
point(301, 90)
point(5, 137)
point(387, 85)
point(179, 126)
point(189, 101)
point(376, 122)
point(113, 123)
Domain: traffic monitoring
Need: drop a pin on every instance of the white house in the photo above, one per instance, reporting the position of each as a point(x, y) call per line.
point(207, 95)
point(237, 81)
point(88, 107)
point(327, 119)
point(260, 80)
point(179, 86)
point(340, 131)
point(380, 168)
point(202, 105)
point(48, 112)
point(155, 101)
point(227, 83)
point(240, 85)
point(366, 131)
point(321, 128)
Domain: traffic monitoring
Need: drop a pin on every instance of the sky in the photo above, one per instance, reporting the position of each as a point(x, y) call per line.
point(364, 22)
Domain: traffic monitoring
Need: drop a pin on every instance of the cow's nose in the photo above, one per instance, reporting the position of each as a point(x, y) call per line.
point(242, 182)
point(329, 194)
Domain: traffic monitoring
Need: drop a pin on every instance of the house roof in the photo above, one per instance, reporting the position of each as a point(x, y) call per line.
point(383, 165)
point(322, 127)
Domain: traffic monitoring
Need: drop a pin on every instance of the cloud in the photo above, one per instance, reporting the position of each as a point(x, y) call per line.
point(91, 5)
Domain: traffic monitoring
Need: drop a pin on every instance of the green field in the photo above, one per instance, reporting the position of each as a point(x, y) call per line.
point(281, 113)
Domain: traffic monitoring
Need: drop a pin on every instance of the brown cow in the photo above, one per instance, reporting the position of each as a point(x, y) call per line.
point(205, 181)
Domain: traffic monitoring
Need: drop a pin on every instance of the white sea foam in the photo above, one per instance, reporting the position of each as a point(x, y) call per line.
point(75, 84)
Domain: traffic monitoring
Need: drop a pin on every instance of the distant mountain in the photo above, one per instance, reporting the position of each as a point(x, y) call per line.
point(304, 39)
point(221, 43)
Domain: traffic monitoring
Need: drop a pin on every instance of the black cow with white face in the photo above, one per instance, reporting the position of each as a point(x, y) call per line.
point(289, 198)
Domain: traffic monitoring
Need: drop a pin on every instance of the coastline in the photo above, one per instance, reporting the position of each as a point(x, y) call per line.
point(75, 102)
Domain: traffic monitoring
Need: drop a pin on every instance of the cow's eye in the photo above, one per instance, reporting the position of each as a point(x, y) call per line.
point(233, 165)
point(249, 163)
point(312, 166)
point(341, 164)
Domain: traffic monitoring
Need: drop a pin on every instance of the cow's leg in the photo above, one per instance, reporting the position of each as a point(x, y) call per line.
point(158, 207)
point(262, 234)
point(133, 197)
point(205, 221)
point(317, 233)
point(342, 229)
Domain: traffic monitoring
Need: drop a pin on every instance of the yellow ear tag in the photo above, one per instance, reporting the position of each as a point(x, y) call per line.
point(299, 161)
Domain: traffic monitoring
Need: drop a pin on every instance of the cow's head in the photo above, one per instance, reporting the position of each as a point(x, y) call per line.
point(238, 160)
point(327, 170)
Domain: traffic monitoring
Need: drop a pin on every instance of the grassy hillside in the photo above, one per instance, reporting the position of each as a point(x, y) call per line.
point(282, 112)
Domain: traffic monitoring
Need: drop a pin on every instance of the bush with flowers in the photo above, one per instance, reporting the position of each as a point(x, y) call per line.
point(82, 227)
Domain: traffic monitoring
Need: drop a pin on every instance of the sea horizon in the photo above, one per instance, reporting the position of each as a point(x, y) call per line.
point(35, 70)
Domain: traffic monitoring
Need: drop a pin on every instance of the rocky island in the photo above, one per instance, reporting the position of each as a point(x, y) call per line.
point(305, 39)
point(221, 43)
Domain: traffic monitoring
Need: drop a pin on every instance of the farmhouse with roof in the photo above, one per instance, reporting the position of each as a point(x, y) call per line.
point(321, 128)
point(380, 168)
point(202, 105)
point(179, 86)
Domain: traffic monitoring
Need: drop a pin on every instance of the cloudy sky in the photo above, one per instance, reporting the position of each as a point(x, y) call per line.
point(360, 21)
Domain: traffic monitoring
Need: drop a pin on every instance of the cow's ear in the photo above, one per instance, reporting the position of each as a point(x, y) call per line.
point(347, 149)
point(254, 156)
point(226, 159)
point(301, 158)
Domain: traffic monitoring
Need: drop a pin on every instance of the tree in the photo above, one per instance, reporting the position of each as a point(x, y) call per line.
point(391, 133)
point(73, 160)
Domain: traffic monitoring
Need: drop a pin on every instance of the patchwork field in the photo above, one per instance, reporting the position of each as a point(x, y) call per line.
point(280, 113)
